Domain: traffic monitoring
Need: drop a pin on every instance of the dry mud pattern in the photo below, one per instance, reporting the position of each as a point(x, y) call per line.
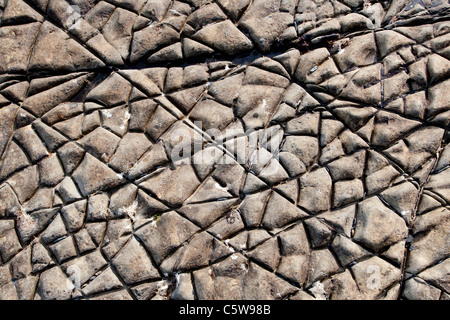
point(333, 181)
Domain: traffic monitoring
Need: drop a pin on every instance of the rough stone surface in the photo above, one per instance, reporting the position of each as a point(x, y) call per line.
point(224, 149)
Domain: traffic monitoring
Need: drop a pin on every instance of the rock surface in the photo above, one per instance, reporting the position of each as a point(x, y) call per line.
point(224, 149)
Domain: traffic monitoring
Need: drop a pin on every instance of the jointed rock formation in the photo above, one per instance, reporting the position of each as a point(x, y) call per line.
point(224, 149)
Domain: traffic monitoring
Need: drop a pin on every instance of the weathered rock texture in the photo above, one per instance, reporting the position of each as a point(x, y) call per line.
point(333, 180)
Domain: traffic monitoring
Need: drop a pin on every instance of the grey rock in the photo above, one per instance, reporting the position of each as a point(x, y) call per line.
point(276, 205)
point(388, 41)
point(217, 120)
point(437, 275)
point(377, 226)
point(348, 191)
point(329, 130)
point(26, 288)
point(145, 291)
point(227, 225)
point(295, 251)
point(14, 160)
point(304, 147)
point(104, 50)
point(63, 111)
point(50, 171)
point(307, 124)
point(201, 250)
point(83, 241)
point(118, 30)
point(267, 253)
point(437, 68)
point(91, 122)
point(380, 179)
point(402, 198)
point(40, 258)
point(209, 190)
point(68, 191)
point(436, 249)
point(83, 268)
point(140, 112)
point(117, 234)
point(92, 175)
point(103, 282)
point(424, 141)
point(332, 116)
point(42, 199)
point(396, 252)
point(122, 201)
point(130, 149)
point(390, 127)
point(116, 295)
point(101, 143)
point(347, 251)
point(170, 231)
point(315, 66)
point(271, 287)
point(63, 249)
point(70, 155)
point(348, 167)
point(54, 285)
point(373, 276)
point(252, 207)
point(160, 121)
point(234, 8)
point(232, 82)
point(418, 289)
point(16, 45)
point(97, 207)
point(320, 234)
point(315, 191)
point(152, 38)
point(214, 35)
point(52, 138)
point(150, 161)
point(71, 127)
point(184, 289)
point(10, 244)
point(340, 219)
point(31, 143)
point(8, 292)
point(192, 49)
point(29, 225)
point(133, 263)
point(54, 46)
point(322, 264)
point(25, 183)
point(173, 52)
point(341, 286)
point(115, 84)
point(96, 230)
point(395, 85)
point(73, 215)
point(184, 177)
point(207, 14)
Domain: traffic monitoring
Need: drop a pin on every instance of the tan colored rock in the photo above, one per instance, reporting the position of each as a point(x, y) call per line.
point(377, 226)
point(16, 45)
point(92, 175)
point(134, 264)
point(224, 37)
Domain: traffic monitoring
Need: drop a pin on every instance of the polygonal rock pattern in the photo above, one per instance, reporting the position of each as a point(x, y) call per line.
point(215, 149)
